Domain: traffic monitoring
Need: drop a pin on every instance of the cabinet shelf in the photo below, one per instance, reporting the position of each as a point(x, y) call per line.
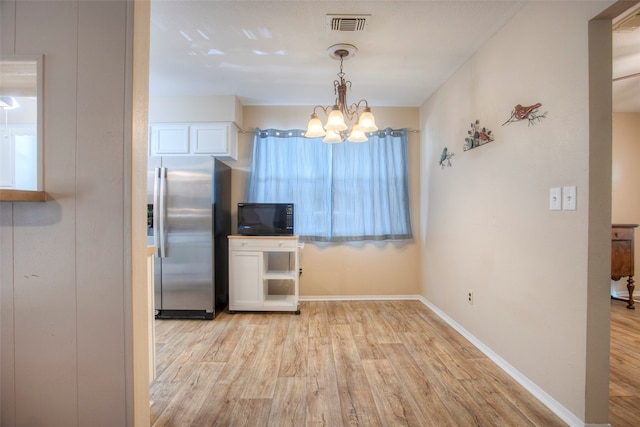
point(287, 301)
point(22, 196)
point(280, 274)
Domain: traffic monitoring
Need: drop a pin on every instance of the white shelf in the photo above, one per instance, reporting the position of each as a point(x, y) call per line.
point(280, 275)
point(286, 301)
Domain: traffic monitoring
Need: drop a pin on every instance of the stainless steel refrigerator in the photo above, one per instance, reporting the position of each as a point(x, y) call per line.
point(188, 220)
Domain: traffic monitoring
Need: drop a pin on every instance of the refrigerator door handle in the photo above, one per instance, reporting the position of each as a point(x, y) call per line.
point(162, 214)
point(156, 210)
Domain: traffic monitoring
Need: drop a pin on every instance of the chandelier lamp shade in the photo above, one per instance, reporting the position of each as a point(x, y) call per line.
point(344, 121)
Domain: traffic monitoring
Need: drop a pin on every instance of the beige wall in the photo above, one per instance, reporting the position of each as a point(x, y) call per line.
point(65, 278)
point(625, 201)
point(358, 269)
point(537, 275)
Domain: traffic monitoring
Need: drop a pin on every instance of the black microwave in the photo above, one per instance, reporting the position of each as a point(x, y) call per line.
point(265, 219)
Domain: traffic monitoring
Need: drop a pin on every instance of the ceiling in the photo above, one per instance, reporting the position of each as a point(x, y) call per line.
point(626, 62)
point(275, 52)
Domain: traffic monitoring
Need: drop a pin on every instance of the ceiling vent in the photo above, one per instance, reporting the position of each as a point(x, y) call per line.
point(347, 23)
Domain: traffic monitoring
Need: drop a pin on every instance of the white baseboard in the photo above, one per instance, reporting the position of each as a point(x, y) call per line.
point(553, 405)
point(359, 297)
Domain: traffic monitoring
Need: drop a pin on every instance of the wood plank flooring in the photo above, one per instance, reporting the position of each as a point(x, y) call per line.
point(339, 363)
point(624, 371)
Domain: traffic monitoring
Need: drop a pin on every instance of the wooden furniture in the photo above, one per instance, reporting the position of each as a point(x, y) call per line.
point(622, 256)
point(22, 196)
point(263, 273)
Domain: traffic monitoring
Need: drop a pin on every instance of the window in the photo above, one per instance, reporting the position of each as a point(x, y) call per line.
point(342, 192)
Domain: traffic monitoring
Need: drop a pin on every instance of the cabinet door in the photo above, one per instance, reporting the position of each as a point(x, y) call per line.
point(245, 280)
point(169, 139)
point(622, 258)
point(216, 139)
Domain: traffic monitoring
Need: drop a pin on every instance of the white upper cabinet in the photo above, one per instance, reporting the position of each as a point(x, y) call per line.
point(169, 138)
point(219, 139)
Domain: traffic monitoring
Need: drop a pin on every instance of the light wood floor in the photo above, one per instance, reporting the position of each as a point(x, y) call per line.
point(624, 373)
point(381, 363)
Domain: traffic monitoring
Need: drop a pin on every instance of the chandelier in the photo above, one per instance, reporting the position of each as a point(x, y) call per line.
point(344, 121)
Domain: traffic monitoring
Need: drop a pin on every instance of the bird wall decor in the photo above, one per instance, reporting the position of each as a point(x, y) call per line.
point(477, 136)
point(529, 113)
point(445, 157)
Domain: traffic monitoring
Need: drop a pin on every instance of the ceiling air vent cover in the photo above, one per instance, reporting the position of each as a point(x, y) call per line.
point(347, 23)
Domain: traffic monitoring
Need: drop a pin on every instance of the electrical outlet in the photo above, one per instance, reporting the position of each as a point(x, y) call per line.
point(470, 296)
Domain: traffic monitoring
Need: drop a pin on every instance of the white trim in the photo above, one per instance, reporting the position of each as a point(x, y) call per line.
point(359, 297)
point(553, 405)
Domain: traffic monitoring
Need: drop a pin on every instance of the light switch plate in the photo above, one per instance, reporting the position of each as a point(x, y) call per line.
point(555, 199)
point(569, 198)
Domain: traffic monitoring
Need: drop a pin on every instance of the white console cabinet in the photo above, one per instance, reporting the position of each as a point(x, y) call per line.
point(263, 273)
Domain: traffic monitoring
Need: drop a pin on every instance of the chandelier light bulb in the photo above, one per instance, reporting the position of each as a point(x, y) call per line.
point(367, 121)
point(357, 135)
point(314, 127)
point(335, 121)
point(332, 137)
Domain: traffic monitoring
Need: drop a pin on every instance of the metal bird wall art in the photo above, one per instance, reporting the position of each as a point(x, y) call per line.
point(445, 157)
point(477, 136)
point(529, 113)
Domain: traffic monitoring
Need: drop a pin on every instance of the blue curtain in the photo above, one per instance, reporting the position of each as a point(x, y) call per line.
point(341, 192)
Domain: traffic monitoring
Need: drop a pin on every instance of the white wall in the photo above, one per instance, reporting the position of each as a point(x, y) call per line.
point(181, 109)
point(487, 226)
point(65, 279)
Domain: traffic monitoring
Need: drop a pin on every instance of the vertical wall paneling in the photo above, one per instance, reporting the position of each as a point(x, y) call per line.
point(7, 360)
point(44, 251)
point(65, 271)
point(102, 29)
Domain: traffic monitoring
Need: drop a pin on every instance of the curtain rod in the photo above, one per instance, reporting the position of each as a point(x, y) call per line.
point(250, 131)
